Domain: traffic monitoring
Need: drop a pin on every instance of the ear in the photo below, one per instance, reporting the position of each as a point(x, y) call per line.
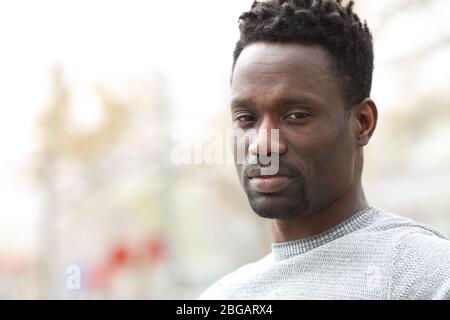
point(366, 116)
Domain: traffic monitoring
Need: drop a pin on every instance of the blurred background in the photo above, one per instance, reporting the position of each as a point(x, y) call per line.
point(94, 97)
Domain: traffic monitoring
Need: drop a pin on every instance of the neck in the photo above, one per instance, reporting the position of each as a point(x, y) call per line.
point(303, 226)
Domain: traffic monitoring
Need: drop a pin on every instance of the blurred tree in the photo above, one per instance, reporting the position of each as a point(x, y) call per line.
point(117, 174)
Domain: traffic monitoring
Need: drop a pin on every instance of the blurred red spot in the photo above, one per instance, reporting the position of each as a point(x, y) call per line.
point(119, 256)
point(156, 249)
point(100, 277)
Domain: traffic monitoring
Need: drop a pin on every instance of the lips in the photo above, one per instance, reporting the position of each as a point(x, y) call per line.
point(269, 184)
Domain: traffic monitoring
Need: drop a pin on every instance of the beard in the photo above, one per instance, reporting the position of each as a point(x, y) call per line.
point(287, 204)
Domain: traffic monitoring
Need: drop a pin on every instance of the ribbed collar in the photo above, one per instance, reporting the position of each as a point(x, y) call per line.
point(285, 250)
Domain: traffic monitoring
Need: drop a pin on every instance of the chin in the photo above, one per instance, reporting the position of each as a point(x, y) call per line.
point(274, 206)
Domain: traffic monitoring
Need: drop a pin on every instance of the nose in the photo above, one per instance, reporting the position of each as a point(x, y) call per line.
point(267, 139)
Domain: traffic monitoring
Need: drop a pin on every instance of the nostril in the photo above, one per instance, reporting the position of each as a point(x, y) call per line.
point(264, 160)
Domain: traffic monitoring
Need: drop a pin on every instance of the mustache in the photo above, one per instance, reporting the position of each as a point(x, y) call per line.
point(284, 169)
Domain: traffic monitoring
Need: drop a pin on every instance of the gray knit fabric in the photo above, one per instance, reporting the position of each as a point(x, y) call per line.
point(372, 255)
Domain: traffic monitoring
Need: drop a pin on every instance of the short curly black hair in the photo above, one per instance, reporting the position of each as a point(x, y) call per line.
point(328, 23)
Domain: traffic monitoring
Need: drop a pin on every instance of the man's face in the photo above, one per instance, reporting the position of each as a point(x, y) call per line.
point(292, 88)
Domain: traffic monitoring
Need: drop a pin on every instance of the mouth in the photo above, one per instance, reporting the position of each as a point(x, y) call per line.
point(269, 184)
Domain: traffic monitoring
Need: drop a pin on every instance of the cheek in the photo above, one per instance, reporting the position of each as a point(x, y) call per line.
point(333, 160)
point(239, 144)
point(325, 156)
point(239, 150)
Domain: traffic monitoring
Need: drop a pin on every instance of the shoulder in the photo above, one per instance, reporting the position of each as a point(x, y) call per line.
point(418, 256)
point(400, 226)
point(420, 262)
point(230, 285)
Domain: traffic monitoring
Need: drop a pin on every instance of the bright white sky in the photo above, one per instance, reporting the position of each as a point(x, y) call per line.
point(112, 41)
point(106, 42)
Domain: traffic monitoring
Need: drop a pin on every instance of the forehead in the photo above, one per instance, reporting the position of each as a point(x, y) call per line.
point(265, 68)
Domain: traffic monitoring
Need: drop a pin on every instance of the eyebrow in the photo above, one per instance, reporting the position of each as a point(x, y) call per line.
point(285, 101)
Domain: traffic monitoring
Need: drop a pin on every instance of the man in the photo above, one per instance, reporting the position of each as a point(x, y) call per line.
point(304, 68)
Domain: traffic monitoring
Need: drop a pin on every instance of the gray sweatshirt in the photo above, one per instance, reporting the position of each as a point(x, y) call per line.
point(371, 255)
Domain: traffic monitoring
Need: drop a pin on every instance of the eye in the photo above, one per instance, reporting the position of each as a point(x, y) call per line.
point(243, 118)
point(297, 115)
